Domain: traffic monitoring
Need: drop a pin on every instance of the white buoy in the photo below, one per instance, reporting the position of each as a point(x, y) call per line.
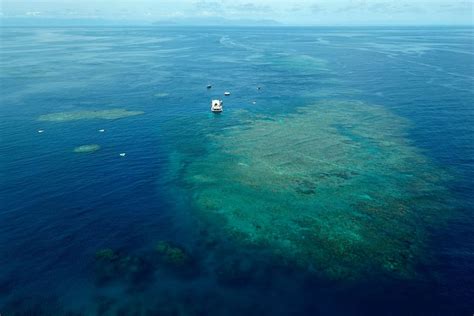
point(122, 155)
point(40, 131)
point(101, 130)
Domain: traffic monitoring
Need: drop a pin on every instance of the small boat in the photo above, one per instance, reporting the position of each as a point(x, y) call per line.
point(216, 106)
point(227, 93)
point(209, 86)
point(101, 130)
point(123, 154)
point(40, 131)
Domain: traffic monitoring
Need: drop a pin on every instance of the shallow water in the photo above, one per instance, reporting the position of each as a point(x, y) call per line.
point(342, 186)
point(334, 187)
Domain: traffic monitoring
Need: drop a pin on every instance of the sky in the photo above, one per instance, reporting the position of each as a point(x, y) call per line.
point(303, 12)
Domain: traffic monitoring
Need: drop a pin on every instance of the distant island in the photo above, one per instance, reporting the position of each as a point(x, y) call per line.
point(208, 21)
point(216, 21)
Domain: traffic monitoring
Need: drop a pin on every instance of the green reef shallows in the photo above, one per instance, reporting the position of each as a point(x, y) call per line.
point(335, 188)
point(112, 114)
point(87, 148)
point(303, 63)
point(161, 94)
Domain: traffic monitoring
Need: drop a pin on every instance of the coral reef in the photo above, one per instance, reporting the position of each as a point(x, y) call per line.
point(136, 271)
point(235, 272)
point(113, 266)
point(176, 258)
point(87, 148)
point(336, 188)
point(112, 114)
point(172, 254)
point(106, 254)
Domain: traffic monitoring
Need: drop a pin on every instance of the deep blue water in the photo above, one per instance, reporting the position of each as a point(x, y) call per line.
point(58, 208)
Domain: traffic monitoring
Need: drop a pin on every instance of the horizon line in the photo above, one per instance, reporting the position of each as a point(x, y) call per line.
point(236, 25)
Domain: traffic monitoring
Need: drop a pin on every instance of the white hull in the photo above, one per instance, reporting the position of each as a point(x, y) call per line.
point(217, 106)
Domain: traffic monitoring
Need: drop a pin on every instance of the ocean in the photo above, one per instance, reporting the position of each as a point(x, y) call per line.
point(337, 181)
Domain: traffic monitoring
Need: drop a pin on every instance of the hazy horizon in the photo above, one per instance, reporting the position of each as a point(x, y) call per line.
point(239, 12)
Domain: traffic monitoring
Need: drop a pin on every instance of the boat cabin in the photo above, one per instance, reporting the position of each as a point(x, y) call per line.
point(216, 105)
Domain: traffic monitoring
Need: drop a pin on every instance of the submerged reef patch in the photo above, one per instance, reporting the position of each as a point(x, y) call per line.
point(137, 270)
point(335, 188)
point(112, 266)
point(300, 63)
point(112, 114)
point(170, 254)
point(176, 259)
point(87, 148)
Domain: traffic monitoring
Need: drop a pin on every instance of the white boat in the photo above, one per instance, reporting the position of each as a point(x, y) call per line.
point(227, 93)
point(216, 106)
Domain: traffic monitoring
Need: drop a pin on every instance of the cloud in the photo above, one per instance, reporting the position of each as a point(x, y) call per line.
point(378, 7)
point(251, 7)
point(457, 7)
point(208, 5)
point(317, 8)
point(229, 9)
point(220, 6)
point(33, 13)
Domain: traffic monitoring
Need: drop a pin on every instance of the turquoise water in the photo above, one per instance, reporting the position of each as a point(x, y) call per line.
point(342, 186)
